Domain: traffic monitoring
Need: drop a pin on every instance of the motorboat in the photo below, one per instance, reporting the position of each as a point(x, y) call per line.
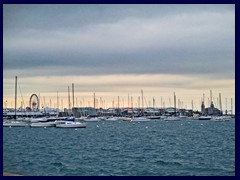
point(127, 119)
point(172, 118)
point(92, 118)
point(95, 119)
point(52, 119)
point(220, 118)
point(43, 124)
point(154, 117)
point(182, 117)
point(14, 124)
point(59, 122)
point(112, 119)
point(79, 118)
point(71, 125)
point(102, 118)
point(36, 120)
point(140, 119)
point(71, 118)
point(204, 118)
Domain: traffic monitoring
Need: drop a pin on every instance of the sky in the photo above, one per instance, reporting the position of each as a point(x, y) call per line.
point(119, 50)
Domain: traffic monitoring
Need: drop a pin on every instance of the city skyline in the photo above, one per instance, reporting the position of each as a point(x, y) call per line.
point(116, 50)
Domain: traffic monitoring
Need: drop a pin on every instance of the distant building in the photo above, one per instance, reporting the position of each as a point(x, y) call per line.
point(212, 111)
point(80, 111)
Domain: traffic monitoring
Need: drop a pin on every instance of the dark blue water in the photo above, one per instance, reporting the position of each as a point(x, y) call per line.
point(155, 148)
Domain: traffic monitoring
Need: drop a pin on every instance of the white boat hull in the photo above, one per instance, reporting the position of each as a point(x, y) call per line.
point(112, 119)
point(40, 124)
point(14, 124)
point(36, 120)
point(92, 119)
point(71, 125)
point(140, 119)
point(172, 119)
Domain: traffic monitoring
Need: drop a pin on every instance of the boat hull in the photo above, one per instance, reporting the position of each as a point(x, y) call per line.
point(127, 119)
point(71, 125)
point(154, 117)
point(15, 125)
point(140, 119)
point(112, 119)
point(43, 124)
point(92, 120)
point(172, 119)
point(204, 118)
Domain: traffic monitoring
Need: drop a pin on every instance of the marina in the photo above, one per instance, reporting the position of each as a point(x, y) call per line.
point(119, 90)
point(147, 141)
point(37, 117)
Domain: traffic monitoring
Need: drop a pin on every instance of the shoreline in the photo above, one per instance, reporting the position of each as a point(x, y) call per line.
point(11, 174)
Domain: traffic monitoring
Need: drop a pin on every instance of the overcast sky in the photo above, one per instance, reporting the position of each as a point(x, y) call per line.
point(127, 47)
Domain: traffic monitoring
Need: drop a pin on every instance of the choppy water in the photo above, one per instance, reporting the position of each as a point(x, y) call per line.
point(155, 148)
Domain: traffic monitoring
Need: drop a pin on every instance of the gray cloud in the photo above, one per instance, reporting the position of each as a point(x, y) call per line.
point(119, 39)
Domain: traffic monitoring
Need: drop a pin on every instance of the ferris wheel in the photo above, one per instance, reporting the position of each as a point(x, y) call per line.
point(34, 102)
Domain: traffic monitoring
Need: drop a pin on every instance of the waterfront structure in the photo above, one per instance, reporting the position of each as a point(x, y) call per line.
point(83, 111)
point(212, 111)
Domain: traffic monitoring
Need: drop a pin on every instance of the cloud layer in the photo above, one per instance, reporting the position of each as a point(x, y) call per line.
point(115, 39)
point(114, 50)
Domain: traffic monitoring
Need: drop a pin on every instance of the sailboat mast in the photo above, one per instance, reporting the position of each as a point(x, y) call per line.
point(118, 102)
point(68, 100)
point(226, 106)
point(94, 100)
point(73, 93)
point(220, 102)
point(39, 105)
point(138, 102)
point(211, 99)
point(15, 97)
point(142, 99)
point(174, 104)
point(132, 103)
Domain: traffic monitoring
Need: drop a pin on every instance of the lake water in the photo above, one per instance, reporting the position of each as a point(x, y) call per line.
point(155, 148)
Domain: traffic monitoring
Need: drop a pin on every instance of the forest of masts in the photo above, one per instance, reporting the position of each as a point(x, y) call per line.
point(120, 102)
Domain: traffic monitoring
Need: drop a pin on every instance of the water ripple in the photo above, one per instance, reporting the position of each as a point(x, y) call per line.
point(184, 148)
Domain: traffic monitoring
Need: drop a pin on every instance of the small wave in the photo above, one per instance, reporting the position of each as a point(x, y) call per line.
point(161, 162)
point(58, 164)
